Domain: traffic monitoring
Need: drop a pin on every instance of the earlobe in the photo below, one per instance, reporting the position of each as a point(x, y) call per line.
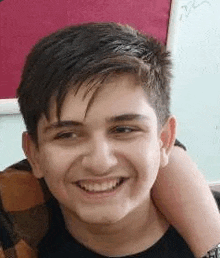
point(167, 136)
point(31, 152)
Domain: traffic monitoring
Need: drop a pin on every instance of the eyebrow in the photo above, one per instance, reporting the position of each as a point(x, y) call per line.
point(120, 118)
point(127, 117)
point(60, 124)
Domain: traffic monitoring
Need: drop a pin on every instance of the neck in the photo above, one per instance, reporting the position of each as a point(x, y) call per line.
point(137, 232)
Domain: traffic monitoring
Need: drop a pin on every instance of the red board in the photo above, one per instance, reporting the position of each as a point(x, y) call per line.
point(23, 22)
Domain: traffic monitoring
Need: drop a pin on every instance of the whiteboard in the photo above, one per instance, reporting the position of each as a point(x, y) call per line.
point(194, 41)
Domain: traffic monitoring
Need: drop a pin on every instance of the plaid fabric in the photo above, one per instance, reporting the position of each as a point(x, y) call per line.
point(24, 217)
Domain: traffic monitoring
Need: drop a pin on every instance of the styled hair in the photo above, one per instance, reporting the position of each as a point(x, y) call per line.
point(89, 53)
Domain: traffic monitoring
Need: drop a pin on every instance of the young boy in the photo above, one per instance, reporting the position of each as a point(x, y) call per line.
point(95, 99)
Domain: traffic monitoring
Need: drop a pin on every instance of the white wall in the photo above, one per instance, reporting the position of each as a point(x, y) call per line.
point(11, 128)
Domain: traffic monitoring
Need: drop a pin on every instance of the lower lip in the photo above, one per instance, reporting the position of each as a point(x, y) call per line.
point(100, 195)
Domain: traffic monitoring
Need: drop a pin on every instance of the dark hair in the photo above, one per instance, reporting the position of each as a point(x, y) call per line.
point(90, 53)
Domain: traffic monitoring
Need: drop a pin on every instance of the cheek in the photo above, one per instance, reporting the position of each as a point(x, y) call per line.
point(55, 165)
point(145, 159)
point(145, 156)
point(55, 161)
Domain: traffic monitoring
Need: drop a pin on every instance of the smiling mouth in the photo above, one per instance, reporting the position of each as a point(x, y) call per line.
point(100, 187)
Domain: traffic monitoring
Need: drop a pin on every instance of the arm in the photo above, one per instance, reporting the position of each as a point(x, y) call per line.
point(183, 196)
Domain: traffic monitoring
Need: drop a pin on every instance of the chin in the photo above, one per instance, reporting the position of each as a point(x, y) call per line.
point(98, 216)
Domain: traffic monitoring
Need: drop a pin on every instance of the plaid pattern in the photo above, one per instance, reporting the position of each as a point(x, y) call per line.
point(24, 216)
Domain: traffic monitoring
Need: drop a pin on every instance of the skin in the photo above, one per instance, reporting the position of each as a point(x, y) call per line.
point(183, 195)
point(102, 146)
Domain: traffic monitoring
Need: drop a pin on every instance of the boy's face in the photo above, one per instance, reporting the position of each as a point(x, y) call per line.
point(101, 167)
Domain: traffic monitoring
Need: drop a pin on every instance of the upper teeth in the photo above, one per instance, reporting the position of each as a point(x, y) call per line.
point(99, 186)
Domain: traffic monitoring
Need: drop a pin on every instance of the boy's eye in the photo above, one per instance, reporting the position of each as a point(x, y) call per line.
point(123, 129)
point(67, 135)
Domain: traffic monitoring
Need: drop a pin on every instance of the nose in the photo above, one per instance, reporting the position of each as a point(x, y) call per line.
point(100, 158)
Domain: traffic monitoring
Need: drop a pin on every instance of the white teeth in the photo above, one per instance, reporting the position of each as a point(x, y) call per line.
point(99, 187)
point(90, 188)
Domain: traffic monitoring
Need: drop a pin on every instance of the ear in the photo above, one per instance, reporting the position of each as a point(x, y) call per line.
point(32, 153)
point(167, 137)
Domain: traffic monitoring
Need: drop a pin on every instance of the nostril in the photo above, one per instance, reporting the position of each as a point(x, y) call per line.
point(100, 165)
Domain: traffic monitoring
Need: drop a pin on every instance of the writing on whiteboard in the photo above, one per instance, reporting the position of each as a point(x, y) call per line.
point(188, 8)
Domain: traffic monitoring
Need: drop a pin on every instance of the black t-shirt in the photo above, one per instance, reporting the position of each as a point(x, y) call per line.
point(59, 243)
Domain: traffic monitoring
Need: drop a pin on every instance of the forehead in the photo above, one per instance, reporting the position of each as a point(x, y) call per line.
point(121, 94)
